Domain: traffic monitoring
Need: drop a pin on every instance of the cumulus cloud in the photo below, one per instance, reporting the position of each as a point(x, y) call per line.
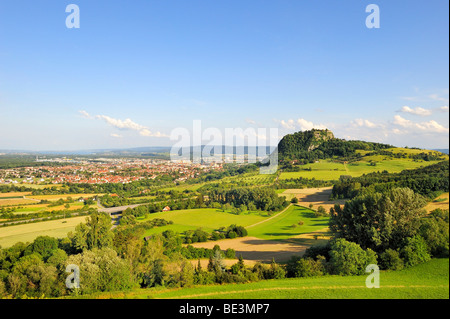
point(416, 111)
point(430, 126)
point(365, 123)
point(126, 124)
point(300, 124)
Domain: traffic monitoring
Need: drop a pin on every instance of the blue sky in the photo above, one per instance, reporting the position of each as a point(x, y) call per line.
point(135, 70)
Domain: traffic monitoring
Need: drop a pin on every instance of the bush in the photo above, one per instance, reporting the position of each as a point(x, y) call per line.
point(43, 245)
point(2, 288)
point(348, 258)
point(240, 231)
point(305, 267)
point(390, 260)
point(318, 250)
point(102, 270)
point(294, 200)
point(435, 231)
point(415, 251)
point(231, 234)
point(230, 253)
point(320, 212)
point(275, 271)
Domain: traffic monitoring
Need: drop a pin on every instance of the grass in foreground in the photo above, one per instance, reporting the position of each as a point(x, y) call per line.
point(426, 281)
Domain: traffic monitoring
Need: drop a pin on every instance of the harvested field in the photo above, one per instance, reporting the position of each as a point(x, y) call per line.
point(256, 249)
point(14, 194)
point(441, 202)
point(16, 201)
point(64, 196)
point(316, 196)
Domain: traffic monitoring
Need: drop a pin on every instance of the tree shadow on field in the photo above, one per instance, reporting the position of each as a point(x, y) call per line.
point(267, 256)
point(322, 196)
point(257, 242)
point(309, 215)
point(322, 223)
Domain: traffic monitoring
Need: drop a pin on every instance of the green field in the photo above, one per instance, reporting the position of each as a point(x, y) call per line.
point(206, 218)
point(426, 281)
point(281, 226)
point(328, 170)
point(28, 232)
point(277, 227)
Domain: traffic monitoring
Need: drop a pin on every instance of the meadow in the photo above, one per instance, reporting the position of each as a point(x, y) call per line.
point(208, 219)
point(328, 170)
point(425, 281)
point(286, 225)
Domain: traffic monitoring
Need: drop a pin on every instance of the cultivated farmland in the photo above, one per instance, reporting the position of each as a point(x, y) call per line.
point(28, 232)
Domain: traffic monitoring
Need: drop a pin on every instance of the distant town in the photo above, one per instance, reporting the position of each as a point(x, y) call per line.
point(102, 170)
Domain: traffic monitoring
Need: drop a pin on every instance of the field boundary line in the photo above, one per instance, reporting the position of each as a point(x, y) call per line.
point(266, 220)
point(299, 288)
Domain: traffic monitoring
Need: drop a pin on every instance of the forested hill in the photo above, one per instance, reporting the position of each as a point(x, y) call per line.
point(307, 146)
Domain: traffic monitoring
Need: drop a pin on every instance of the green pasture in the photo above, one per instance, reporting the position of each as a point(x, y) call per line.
point(281, 226)
point(425, 281)
point(327, 170)
point(206, 218)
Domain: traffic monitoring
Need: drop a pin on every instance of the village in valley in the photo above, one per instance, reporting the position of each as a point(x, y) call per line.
point(102, 170)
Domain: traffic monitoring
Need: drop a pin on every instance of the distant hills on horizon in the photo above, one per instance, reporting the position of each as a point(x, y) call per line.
point(294, 144)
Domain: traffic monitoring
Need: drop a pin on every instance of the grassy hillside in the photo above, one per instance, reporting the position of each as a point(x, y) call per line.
point(285, 225)
point(330, 170)
point(425, 281)
point(206, 218)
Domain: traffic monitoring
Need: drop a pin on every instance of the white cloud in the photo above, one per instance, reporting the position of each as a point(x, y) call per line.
point(365, 123)
point(128, 124)
point(416, 111)
point(85, 114)
point(436, 97)
point(429, 127)
point(443, 109)
point(300, 124)
point(116, 135)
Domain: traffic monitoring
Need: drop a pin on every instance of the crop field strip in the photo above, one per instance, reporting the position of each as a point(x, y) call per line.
point(28, 232)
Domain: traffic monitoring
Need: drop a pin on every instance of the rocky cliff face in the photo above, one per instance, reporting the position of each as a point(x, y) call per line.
point(304, 141)
point(320, 136)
